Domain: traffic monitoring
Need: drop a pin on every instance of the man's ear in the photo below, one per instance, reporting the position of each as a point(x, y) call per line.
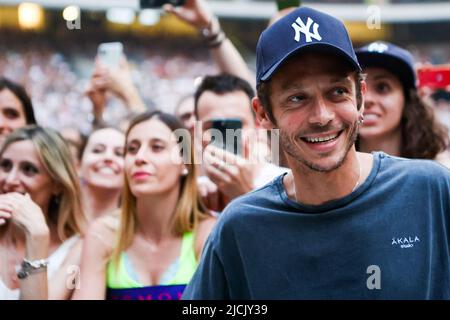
point(363, 95)
point(262, 118)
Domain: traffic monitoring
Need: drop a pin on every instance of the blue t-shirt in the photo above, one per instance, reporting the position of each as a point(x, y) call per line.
point(389, 239)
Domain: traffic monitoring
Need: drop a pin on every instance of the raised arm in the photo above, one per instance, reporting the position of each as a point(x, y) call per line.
point(198, 14)
point(117, 81)
point(28, 217)
point(96, 251)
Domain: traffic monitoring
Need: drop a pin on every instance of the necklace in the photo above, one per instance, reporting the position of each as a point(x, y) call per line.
point(354, 187)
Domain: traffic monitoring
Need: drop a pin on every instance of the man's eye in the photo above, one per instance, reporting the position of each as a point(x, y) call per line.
point(340, 91)
point(296, 99)
point(5, 165)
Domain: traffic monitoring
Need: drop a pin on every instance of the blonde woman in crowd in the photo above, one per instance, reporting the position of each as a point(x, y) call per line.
point(41, 217)
point(163, 224)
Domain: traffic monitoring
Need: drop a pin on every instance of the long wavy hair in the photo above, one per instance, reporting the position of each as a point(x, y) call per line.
point(423, 137)
point(189, 210)
point(65, 209)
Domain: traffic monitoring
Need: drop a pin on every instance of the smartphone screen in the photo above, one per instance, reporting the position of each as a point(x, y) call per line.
point(434, 77)
point(159, 3)
point(110, 53)
point(227, 134)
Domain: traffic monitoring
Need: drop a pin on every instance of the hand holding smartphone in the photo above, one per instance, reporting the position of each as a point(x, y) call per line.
point(110, 54)
point(230, 131)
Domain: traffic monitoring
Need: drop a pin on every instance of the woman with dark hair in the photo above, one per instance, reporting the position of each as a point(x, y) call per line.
point(155, 250)
point(396, 120)
point(16, 109)
point(41, 216)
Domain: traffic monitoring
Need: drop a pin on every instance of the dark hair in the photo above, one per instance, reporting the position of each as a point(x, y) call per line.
point(263, 92)
point(22, 95)
point(222, 84)
point(168, 119)
point(423, 137)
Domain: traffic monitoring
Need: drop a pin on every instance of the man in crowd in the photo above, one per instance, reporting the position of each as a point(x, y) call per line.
point(229, 176)
point(342, 224)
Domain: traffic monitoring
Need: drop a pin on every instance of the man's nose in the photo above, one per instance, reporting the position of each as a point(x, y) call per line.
point(321, 113)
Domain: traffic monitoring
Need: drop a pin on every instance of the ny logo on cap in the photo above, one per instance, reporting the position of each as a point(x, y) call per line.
point(300, 27)
point(378, 47)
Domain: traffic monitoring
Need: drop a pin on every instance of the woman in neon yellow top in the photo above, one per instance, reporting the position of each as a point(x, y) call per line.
point(154, 250)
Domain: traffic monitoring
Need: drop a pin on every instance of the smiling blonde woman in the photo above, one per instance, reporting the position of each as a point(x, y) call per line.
point(154, 251)
point(41, 217)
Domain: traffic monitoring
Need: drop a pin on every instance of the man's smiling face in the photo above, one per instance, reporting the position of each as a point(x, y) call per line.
point(313, 100)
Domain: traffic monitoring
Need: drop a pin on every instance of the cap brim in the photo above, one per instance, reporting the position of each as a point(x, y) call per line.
point(315, 46)
point(389, 62)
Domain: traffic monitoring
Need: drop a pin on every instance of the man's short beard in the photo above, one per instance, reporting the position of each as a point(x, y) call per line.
point(291, 149)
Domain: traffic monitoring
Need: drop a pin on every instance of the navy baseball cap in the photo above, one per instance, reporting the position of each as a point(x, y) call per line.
point(302, 29)
point(390, 57)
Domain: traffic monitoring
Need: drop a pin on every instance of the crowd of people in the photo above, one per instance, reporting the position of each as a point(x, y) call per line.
point(57, 80)
point(146, 204)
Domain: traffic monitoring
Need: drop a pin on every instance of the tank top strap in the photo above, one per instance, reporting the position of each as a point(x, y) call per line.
point(187, 260)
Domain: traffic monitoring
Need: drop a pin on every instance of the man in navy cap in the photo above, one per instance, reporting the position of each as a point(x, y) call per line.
point(343, 224)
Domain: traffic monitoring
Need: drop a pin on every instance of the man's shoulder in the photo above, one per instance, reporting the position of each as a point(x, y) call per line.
point(254, 203)
point(246, 213)
point(416, 168)
point(256, 196)
point(268, 173)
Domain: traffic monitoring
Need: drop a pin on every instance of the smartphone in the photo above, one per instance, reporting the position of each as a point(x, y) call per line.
point(110, 53)
point(229, 133)
point(159, 3)
point(434, 77)
point(283, 4)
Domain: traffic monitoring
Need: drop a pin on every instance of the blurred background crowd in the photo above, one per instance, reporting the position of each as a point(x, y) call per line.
point(105, 195)
point(55, 62)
